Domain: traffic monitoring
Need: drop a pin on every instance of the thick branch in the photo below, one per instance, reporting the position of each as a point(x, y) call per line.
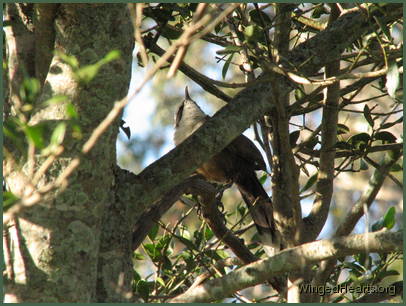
point(246, 107)
point(292, 260)
point(325, 177)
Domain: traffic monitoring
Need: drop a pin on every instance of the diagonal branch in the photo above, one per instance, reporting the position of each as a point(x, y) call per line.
point(293, 259)
point(247, 106)
point(325, 177)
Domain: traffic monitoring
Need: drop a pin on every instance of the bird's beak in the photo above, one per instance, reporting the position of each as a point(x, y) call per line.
point(187, 96)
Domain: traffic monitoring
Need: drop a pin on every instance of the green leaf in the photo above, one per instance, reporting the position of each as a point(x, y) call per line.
point(385, 137)
point(143, 289)
point(226, 66)
point(163, 242)
point(153, 232)
point(396, 168)
point(111, 56)
point(87, 73)
point(359, 141)
point(299, 93)
point(29, 90)
point(71, 111)
point(229, 50)
point(310, 182)
point(368, 117)
point(57, 99)
point(219, 27)
point(263, 178)
point(241, 210)
point(9, 199)
point(249, 31)
point(342, 129)
point(252, 33)
point(136, 276)
point(390, 124)
point(34, 134)
point(58, 134)
point(222, 254)
point(68, 59)
point(208, 233)
point(152, 252)
point(392, 79)
point(138, 256)
point(389, 218)
point(160, 281)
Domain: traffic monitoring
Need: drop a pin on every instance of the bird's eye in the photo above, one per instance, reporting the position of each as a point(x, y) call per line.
point(179, 114)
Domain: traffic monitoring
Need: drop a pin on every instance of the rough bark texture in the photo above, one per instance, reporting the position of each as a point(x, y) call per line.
point(56, 243)
point(293, 259)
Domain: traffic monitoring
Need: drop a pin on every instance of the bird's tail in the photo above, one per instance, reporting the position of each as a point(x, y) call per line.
point(260, 207)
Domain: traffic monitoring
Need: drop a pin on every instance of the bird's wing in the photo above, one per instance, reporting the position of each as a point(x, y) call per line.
point(245, 149)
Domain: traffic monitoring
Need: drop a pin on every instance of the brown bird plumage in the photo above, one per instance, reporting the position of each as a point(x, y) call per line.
point(236, 163)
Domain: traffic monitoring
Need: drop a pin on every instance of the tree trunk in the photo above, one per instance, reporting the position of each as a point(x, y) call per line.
point(54, 250)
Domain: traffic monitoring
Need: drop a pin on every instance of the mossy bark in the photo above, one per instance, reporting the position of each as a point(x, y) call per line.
point(55, 244)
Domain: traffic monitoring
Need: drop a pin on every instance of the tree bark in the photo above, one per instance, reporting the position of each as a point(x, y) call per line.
point(57, 249)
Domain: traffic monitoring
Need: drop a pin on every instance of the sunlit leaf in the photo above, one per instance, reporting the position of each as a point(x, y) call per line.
point(68, 59)
point(153, 232)
point(226, 66)
point(57, 99)
point(229, 49)
point(263, 178)
point(9, 199)
point(111, 56)
point(71, 111)
point(389, 218)
point(35, 135)
point(58, 134)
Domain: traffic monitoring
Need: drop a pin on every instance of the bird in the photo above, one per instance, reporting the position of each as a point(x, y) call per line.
point(237, 164)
